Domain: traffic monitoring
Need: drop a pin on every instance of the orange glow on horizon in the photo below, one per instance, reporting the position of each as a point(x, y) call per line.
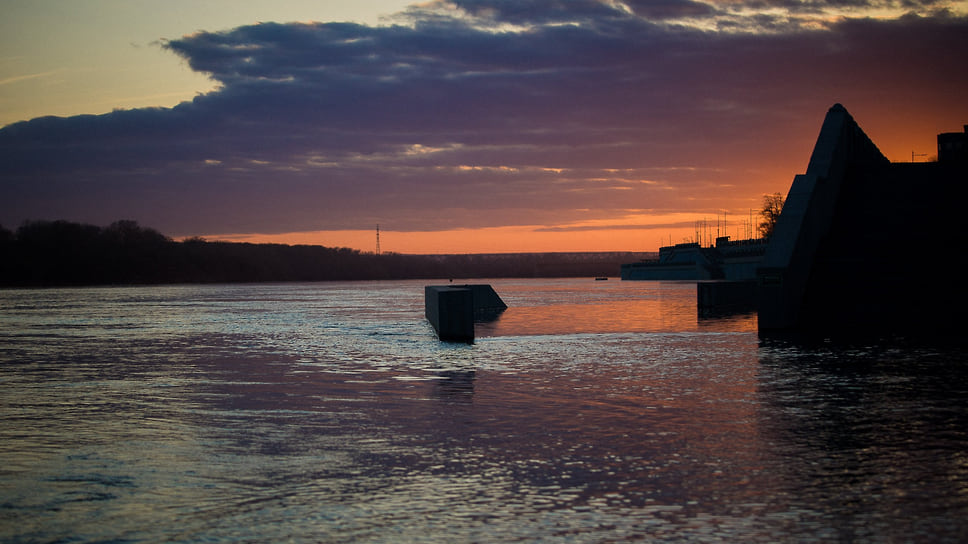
point(485, 240)
point(635, 234)
point(900, 133)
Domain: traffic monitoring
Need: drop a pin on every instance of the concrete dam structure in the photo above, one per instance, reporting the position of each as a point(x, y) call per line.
point(727, 260)
point(864, 245)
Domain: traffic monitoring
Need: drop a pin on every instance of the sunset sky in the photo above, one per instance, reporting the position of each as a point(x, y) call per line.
point(459, 126)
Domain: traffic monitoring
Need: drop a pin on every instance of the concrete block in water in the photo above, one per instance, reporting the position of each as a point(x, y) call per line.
point(451, 312)
point(452, 309)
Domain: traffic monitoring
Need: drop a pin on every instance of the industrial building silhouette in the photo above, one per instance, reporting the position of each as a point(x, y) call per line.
point(862, 246)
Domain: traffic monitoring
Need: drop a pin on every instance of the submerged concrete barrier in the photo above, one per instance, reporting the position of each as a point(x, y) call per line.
point(453, 309)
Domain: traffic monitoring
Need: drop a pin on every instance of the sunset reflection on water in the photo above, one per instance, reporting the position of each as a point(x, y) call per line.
point(605, 307)
point(589, 411)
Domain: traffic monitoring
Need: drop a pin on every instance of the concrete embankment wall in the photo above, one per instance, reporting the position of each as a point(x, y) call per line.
point(659, 272)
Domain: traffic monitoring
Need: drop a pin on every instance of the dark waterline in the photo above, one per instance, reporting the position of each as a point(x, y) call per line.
point(590, 412)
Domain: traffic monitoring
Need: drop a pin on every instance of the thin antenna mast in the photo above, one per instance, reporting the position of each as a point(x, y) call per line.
point(378, 239)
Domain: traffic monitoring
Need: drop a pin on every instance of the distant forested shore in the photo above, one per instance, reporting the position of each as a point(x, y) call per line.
point(63, 253)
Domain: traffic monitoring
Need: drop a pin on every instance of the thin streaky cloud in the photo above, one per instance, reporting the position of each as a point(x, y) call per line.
point(27, 77)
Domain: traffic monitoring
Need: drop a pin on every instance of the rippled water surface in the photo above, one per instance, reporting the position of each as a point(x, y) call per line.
point(588, 412)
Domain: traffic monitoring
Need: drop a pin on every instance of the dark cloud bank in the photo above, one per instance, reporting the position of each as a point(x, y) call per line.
point(491, 113)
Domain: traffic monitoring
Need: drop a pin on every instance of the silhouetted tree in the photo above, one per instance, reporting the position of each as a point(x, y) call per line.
point(133, 254)
point(770, 212)
point(128, 232)
point(59, 252)
point(8, 257)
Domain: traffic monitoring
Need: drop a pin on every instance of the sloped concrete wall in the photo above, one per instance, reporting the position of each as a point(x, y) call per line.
point(807, 216)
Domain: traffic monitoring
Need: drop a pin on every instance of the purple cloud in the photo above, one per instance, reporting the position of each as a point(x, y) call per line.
point(503, 113)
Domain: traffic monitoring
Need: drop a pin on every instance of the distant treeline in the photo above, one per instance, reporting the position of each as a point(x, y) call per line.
point(62, 253)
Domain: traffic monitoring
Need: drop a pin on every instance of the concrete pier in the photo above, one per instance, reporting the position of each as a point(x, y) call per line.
point(722, 296)
point(453, 309)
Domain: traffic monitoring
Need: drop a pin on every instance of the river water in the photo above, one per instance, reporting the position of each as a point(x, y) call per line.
point(590, 411)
